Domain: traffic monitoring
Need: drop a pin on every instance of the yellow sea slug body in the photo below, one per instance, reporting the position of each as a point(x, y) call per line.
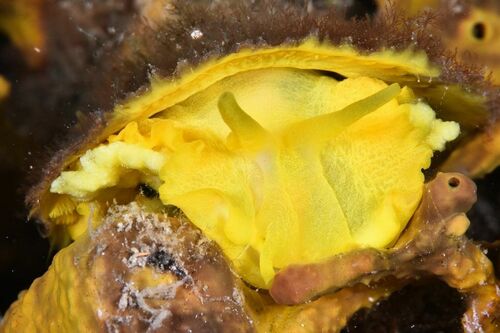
point(286, 167)
point(258, 166)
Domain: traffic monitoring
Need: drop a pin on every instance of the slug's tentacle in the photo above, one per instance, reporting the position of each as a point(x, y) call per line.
point(326, 127)
point(244, 127)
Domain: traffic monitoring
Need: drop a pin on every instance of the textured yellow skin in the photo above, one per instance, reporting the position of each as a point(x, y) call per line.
point(58, 302)
point(405, 67)
point(296, 168)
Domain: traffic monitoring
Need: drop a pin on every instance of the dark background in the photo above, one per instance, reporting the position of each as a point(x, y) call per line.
point(42, 106)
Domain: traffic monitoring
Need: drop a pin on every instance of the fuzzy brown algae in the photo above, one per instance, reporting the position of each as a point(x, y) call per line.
point(267, 176)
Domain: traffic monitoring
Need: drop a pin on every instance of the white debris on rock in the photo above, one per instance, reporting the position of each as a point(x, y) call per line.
point(154, 263)
point(196, 34)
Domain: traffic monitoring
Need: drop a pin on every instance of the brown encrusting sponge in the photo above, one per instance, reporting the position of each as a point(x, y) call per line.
point(259, 166)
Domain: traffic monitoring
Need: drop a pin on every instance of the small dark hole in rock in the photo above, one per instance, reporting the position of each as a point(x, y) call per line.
point(164, 261)
point(454, 182)
point(479, 30)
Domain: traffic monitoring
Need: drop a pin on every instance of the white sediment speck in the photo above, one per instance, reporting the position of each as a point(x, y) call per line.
point(196, 34)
